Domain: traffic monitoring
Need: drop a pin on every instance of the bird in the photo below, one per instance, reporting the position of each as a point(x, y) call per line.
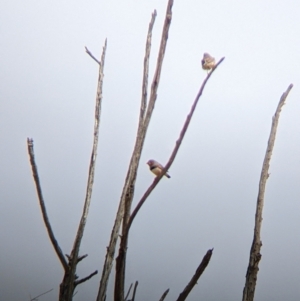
point(208, 62)
point(156, 168)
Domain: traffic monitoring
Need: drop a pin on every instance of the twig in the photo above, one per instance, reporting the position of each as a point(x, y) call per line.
point(81, 257)
point(198, 273)
point(174, 153)
point(255, 256)
point(35, 298)
point(91, 55)
point(67, 287)
point(134, 290)
point(86, 278)
point(162, 298)
point(128, 291)
point(128, 189)
point(121, 259)
point(36, 178)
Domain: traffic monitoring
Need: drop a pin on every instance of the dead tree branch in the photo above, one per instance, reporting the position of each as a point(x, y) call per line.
point(128, 292)
point(68, 284)
point(174, 153)
point(255, 256)
point(142, 129)
point(162, 298)
point(134, 290)
point(36, 298)
point(128, 189)
point(204, 263)
point(85, 278)
point(91, 55)
point(36, 178)
point(81, 257)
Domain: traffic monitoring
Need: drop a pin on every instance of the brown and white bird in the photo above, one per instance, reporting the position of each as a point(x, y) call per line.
point(156, 168)
point(208, 62)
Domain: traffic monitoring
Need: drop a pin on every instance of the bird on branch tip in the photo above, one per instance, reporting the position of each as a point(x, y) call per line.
point(156, 168)
point(208, 62)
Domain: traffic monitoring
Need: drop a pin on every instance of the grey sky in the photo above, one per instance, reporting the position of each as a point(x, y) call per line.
point(48, 87)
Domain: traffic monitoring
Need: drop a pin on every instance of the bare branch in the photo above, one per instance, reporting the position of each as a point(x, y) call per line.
point(162, 298)
point(81, 257)
point(35, 298)
point(36, 178)
point(128, 189)
point(128, 291)
point(134, 290)
point(67, 289)
point(91, 55)
point(160, 58)
point(198, 273)
point(174, 153)
point(85, 279)
point(146, 69)
point(255, 256)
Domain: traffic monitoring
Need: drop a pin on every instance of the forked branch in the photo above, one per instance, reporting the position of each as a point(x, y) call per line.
point(128, 188)
point(175, 150)
point(255, 256)
point(69, 283)
point(142, 129)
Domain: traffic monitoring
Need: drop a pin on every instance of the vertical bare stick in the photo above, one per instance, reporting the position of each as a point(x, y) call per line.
point(68, 285)
point(36, 178)
point(204, 263)
point(128, 189)
point(255, 256)
point(121, 259)
point(141, 129)
point(160, 58)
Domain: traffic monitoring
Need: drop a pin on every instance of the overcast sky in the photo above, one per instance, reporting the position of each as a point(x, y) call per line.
point(47, 92)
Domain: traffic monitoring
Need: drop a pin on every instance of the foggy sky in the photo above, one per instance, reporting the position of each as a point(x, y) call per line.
point(47, 92)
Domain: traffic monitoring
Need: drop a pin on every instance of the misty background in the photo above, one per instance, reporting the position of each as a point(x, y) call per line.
point(48, 88)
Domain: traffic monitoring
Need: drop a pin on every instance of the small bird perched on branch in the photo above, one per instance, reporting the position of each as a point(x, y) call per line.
point(208, 62)
point(156, 168)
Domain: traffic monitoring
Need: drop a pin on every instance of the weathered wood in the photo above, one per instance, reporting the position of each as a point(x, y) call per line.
point(128, 188)
point(70, 279)
point(142, 130)
point(36, 178)
point(255, 256)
